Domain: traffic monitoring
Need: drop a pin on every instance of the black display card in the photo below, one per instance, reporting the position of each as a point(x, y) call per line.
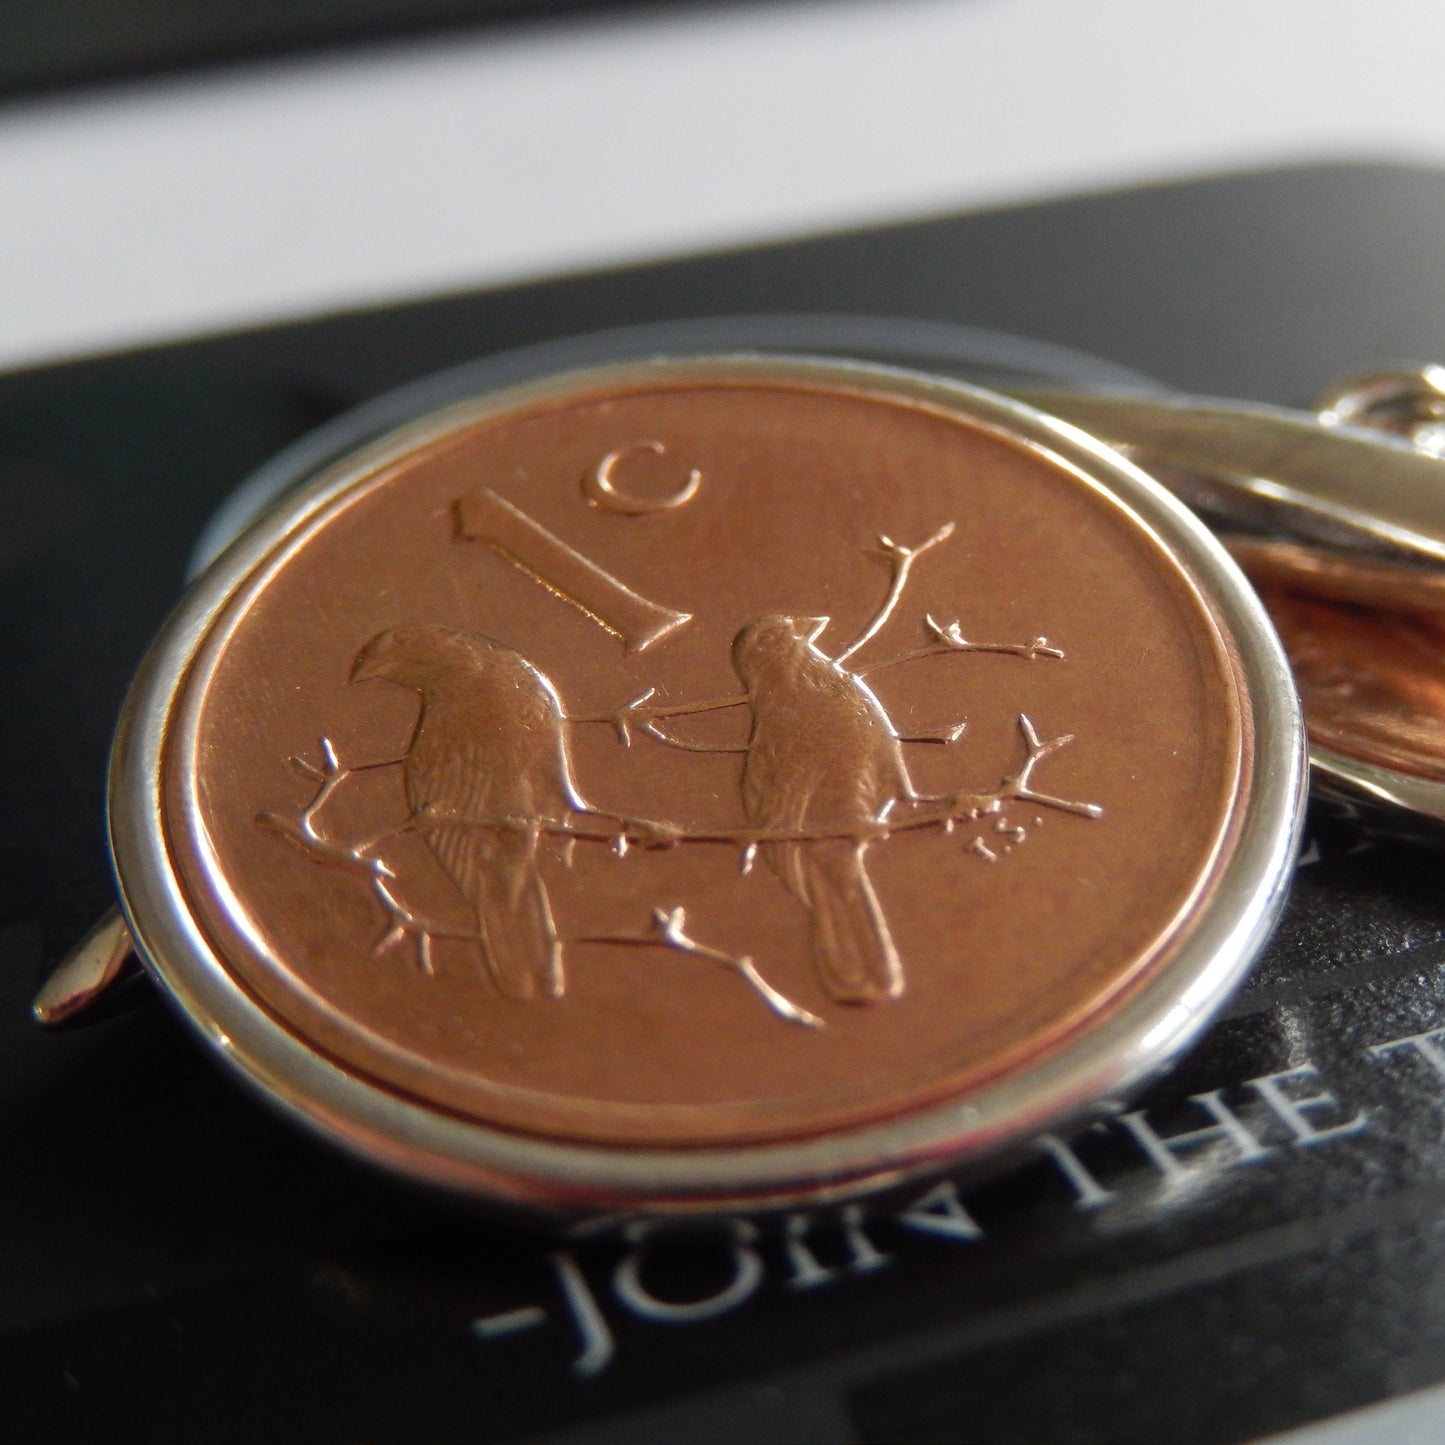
point(1260, 1243)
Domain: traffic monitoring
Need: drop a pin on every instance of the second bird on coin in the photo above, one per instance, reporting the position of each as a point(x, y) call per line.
point(822, 757)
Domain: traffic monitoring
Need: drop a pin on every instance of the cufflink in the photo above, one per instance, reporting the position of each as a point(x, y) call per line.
point(734, 780)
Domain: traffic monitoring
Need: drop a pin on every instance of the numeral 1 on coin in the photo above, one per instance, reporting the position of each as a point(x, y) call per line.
point(483, 516)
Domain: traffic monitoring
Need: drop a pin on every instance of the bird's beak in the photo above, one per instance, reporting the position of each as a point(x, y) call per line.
point(367, 664)
point(815, 626)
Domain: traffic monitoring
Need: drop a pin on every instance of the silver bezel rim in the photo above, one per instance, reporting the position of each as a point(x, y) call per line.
point(1099, 1066)
point(1400, 798)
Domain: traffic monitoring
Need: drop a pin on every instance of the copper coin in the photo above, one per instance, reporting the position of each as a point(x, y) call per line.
point(1364, 637)
point(712, 780)
point(1369, 679)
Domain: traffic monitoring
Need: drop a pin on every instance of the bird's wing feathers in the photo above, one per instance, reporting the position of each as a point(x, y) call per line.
point(476, 777)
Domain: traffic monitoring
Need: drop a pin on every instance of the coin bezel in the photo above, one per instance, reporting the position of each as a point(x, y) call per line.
point(1098, 1066)
point(1389, 800)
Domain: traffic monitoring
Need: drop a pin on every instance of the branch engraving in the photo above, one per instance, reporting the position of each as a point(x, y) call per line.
point(823, 779)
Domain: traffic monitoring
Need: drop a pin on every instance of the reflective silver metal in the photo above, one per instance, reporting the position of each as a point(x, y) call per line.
point(1100, 1067)
point(1407, 403)
point(1364, 476)
point(1270, 469)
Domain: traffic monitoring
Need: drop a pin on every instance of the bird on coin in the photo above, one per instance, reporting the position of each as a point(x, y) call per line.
point(485, 768)
point(822, 758)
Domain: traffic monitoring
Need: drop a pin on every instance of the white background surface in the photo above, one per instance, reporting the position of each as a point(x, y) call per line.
point(149, 211)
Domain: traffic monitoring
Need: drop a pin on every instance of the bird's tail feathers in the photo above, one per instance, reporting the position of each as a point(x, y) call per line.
point(519, 936)
point(853, 949)
point(498, 874)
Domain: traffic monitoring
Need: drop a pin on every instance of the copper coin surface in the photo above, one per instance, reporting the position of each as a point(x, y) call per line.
point(1364, 637)
point(1369, 678)
point(703, 759)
